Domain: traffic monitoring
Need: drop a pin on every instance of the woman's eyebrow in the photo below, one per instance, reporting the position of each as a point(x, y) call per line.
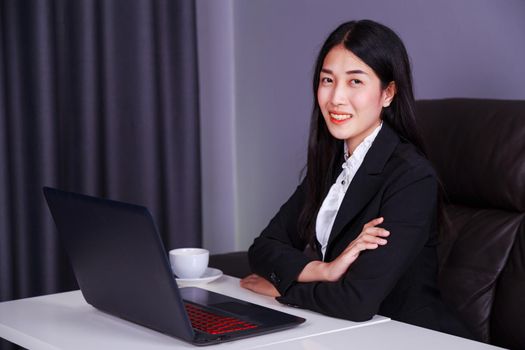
point(354, 71)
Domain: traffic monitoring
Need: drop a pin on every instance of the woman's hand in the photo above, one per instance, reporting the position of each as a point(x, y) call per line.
point(369, 238)
point(259, 285)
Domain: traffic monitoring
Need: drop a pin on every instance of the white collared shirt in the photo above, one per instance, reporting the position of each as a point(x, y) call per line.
point(332, 202)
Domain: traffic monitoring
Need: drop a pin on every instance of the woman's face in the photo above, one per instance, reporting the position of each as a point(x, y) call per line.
point(350, 96)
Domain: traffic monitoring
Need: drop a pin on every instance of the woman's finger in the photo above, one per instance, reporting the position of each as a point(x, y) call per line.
point(374, 222)
point(259, 285)
point(249, 279)
point(373, 239)
point(360, 246)
point(376, 231)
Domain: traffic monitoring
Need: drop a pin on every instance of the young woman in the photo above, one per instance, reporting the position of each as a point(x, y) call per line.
point(368, 206)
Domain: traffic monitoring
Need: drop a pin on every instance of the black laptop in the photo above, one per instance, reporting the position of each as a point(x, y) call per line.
point(123, 269)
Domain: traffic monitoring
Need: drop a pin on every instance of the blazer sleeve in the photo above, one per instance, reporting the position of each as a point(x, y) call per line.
point(409, 210)
point(277, 254)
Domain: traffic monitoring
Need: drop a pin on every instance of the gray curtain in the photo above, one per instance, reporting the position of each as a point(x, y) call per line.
point(98, 97)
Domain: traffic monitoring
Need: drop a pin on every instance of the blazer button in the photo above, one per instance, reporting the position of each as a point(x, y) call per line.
point(274, 278)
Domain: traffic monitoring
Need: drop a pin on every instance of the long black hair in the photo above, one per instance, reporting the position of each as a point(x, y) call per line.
point(383, 51)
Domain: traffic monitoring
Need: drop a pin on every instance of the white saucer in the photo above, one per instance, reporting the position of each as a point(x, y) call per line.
point(209, 275)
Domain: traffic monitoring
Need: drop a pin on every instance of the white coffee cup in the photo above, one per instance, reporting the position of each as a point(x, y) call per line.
point(189, 262)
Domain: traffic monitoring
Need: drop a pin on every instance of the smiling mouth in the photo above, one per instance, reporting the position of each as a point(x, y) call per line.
point(339, 118)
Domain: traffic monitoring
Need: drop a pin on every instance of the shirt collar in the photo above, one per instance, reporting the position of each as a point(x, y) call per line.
point(361, 150)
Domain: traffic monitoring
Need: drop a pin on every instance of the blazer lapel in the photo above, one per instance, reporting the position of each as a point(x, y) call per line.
point(367, 181)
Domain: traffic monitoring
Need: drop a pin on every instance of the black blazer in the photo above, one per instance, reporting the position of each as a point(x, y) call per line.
point(397, 280)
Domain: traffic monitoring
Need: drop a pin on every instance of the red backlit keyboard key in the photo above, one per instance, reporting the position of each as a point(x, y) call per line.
point(211, 323)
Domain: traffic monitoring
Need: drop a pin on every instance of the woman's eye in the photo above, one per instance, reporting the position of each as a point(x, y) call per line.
point(355, 82)
point(326, 80)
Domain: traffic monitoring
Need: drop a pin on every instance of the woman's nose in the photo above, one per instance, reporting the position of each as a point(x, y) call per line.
point(339, 95)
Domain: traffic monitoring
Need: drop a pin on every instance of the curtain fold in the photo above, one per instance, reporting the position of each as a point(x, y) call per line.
point(98, 97)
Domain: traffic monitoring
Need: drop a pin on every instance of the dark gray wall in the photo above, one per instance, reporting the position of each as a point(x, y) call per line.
point(459, 48)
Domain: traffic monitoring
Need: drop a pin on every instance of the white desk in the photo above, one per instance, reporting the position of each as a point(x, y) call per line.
point(66, 321)
point(381, 336)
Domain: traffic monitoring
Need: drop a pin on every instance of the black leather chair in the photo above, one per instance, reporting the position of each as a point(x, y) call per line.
point(478, 149)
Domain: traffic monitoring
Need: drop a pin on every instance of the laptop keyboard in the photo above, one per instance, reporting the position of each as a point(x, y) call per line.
point(211, 323)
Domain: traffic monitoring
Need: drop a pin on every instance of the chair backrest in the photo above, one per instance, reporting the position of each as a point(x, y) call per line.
point(478, 149)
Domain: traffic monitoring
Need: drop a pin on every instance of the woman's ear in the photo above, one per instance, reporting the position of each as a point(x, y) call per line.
point(389, 93)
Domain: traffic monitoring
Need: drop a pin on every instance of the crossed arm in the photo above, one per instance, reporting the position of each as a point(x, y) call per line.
point(318, 271)
point(353, 285)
